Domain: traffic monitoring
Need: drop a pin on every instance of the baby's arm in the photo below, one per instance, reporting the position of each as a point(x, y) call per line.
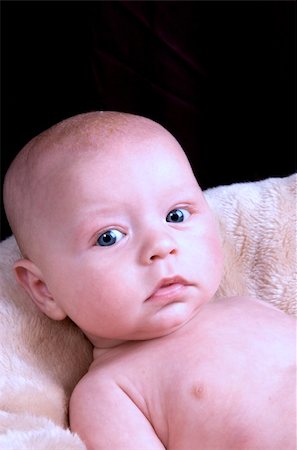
point(105, 417)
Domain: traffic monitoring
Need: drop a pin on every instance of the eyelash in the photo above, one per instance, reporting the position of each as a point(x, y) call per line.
point(110, 237)
point(176, 212)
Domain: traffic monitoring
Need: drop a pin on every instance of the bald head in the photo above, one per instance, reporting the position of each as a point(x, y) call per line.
point(47, 157)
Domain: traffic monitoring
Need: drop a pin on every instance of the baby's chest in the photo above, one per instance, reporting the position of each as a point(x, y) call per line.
point(193, 396)
point(188, 407)
point(176, 392)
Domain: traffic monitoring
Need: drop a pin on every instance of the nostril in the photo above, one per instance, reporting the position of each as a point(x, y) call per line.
point(157, 247)
point(163, 254)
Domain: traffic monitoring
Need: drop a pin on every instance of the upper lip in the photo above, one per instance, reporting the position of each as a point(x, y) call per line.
point(168, 281)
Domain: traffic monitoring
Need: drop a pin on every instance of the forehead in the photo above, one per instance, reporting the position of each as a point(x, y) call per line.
point(132, 164)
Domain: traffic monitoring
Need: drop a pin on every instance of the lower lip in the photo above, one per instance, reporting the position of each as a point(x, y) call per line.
point(168, 293)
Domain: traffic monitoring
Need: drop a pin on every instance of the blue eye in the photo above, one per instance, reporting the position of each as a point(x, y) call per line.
point(110, 237)
point(177, 215)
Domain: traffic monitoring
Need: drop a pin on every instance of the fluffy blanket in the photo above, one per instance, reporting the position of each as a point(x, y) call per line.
point(41, 360)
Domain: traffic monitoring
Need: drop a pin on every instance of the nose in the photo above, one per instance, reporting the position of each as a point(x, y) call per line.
point(158, 245)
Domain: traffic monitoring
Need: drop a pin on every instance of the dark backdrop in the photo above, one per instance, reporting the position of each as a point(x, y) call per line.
point(219, 75)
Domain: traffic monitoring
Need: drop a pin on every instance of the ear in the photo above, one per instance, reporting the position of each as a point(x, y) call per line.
point(30, 278)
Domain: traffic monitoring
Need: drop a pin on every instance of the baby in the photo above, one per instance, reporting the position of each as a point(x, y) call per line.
point(116, 234)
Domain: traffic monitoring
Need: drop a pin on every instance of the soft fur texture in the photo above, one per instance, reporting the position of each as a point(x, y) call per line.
point(41, 360)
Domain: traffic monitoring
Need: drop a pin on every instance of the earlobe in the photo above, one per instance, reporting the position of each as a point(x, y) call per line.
point(30, 278)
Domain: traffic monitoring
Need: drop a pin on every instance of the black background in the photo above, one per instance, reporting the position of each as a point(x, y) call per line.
point(219, 75)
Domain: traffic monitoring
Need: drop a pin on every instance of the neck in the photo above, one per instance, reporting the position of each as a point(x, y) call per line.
point(104, 343)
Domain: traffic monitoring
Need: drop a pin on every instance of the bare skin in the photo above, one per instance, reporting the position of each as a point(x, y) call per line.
point(225, 380)
point(117, 235)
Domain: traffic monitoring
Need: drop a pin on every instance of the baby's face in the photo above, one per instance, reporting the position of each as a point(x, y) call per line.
point(133, 249)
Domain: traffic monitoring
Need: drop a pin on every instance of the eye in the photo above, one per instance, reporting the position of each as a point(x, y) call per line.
point(177, 215)
point(109, 237)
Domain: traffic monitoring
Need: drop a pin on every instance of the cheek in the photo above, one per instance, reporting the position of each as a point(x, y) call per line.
point(213, 247)
point(75, 281)
point(99, 282)
point(215, 266)
point(93, 280)
point(216, 249)
point(205, 254)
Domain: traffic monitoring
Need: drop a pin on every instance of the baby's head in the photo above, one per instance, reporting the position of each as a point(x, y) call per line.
point(113, 228)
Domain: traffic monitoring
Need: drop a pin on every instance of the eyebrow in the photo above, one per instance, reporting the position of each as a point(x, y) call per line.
point(85, 224)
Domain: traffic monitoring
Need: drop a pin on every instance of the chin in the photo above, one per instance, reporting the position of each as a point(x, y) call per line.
point(172, 317)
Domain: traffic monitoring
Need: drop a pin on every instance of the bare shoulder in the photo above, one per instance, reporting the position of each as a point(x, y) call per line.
point(248, 319)
point(87, 393)
point(89, 385)
point(105, 416)
point(247, 304)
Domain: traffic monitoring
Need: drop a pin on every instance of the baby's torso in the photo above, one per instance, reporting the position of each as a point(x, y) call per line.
point(217, 383)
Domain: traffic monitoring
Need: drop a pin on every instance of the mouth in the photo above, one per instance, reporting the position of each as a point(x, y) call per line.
point(169, 289)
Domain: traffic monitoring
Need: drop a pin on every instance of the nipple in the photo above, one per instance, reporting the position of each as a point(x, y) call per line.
point(198, 390)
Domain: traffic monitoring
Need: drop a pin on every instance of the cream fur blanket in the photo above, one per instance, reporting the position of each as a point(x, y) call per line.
point(41, 360)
